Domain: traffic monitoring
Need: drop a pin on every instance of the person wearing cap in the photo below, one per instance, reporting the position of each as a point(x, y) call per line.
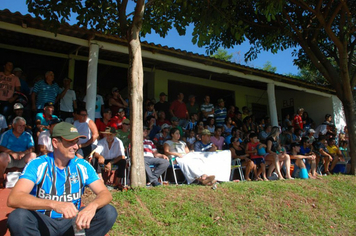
point(111, 149)
point(99, 104)
point(44, 139)
point(161, 137)
point(116, 101)
point(220, 113)
point(67, 100)
point(104, 122)
point(163, 105)
point(175, 124)
point(118, 118)
point(207, 109)
point(179, 110)
point(9, 83)
point(192, 106)
point(47, 196)
point(18, 110)
point(124, 133)
point(311, 137)
point(44, 117)
point(44, 91)
point(205, 145)
point(16, 147)
point(152, 157)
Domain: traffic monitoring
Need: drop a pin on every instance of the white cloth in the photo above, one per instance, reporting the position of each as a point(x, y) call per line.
point(117, 149)
point(66, 103)
point(195, 164)
point(45, 139)
point(321, 129)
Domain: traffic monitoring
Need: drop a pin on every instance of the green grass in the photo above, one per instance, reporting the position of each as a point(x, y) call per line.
point(295, 207)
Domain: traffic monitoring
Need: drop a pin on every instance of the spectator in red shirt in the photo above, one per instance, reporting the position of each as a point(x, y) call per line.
point(297, 120)
point(104, 122)
point(178, 109)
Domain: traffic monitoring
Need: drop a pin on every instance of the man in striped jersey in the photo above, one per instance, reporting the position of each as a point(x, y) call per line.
point(48, 193)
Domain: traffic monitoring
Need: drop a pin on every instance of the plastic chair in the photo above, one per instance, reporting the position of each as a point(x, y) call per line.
point(236, 164)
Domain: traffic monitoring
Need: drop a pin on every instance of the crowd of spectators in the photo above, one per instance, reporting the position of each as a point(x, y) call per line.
point(29, 113)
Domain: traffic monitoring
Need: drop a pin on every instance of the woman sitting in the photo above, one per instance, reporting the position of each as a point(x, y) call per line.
point(276, 154)
point(237, 151)
point(175, 149)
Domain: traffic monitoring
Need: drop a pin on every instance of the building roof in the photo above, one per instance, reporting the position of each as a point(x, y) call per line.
point(38, 41)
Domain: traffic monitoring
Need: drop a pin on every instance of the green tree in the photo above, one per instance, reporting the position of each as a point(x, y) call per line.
point(222, 54)
point(268, 67)
point(324, 31)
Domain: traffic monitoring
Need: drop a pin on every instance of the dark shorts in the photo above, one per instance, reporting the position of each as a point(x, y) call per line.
point(258, 161)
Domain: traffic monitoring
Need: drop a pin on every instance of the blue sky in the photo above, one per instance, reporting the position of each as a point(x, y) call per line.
point(283, 60)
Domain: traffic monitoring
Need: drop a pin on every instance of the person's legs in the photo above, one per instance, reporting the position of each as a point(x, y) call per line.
point(103, 221)
point(334, 162)
point(286, 159)
point(26, 222)
point(120, 172)
point(249, 167)
point(270, 158)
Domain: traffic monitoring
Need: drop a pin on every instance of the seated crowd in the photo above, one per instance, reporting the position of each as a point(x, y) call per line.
point(171, 131)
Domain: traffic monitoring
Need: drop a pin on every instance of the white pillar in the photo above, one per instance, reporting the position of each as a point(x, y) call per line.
point(272, 104)
point(71, 70)
point(92, 79)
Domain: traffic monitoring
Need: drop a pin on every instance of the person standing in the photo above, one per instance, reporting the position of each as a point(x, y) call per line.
point(178, 109)
point(44, 91)
point(163, 105)
point(47, 196)
point(68, 100)
point(9, 83)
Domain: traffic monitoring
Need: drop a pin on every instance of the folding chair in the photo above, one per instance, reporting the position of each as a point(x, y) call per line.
point(174, 168)
point(236, 164)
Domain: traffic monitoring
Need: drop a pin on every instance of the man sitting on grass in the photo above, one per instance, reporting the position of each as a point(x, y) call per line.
point(47, 196)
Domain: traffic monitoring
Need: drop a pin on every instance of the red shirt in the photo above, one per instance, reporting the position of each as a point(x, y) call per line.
point(102, 126)
point(117, 122)
point(252, 147)
point(179, 109)
point(297, 120)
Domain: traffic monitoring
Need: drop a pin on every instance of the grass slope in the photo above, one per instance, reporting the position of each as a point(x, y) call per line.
point(295, 207)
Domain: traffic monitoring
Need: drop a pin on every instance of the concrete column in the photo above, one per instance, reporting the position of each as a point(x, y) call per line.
point(71, 70)
point(92, 79)
point(272, 104)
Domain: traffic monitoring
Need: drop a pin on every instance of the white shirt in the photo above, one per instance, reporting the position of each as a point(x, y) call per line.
point(117, 149)
point(66, 103)
point(45, 139)
point(83, 129)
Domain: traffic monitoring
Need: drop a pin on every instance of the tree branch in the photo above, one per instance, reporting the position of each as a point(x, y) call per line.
point(122, 16)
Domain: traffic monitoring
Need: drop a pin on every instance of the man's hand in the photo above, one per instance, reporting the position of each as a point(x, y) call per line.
point(17, 155)
point(68, 209)
point(84, 217)
point(165, 157)
point(213, 148)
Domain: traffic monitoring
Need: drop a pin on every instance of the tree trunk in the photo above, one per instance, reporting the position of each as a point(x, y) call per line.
point(135, 82)
point(350, 116)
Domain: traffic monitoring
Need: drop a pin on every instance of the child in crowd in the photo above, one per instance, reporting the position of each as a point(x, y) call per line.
point(306, 149)
point(334, 152)
point(191, 140)
point(252, 149)
point(150, 111)
point(192, 123)
point(345, 153)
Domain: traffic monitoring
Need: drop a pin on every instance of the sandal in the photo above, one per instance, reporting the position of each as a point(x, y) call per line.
point(208, 180)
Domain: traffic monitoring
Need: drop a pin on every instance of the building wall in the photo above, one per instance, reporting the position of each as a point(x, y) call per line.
point(316, 106)
point(243, 95)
